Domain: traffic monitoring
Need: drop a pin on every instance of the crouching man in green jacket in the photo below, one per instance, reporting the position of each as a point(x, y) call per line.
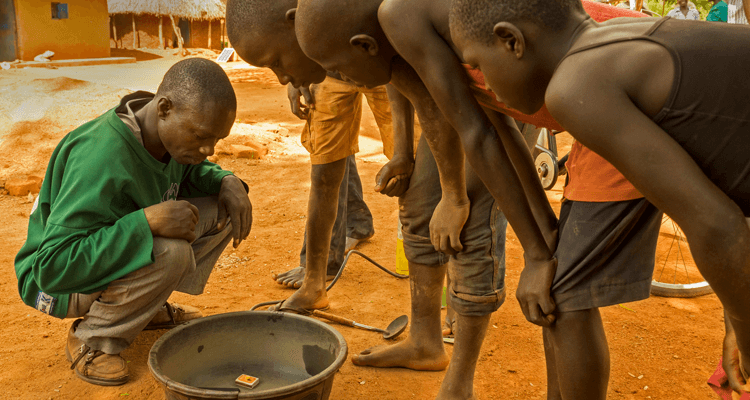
point(130, 211)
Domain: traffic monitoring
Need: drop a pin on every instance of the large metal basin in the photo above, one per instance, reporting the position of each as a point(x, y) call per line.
point(295, 357)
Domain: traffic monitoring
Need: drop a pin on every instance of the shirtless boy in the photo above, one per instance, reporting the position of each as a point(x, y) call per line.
point(651, 119)
point(130, 211)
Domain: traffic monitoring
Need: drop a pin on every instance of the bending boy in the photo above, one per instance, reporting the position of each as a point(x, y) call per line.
point(427, 45)
point(263, 34)
point(632, 90)
point(130, 211)
point(356, 47)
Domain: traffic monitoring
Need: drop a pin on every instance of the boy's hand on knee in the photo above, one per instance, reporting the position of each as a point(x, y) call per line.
point(174, 219)
point(533, 291)
point(446, 224)
point(234, 203)
point(393, 179)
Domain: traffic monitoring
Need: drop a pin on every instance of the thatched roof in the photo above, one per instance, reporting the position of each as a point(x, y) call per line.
point(189, 9)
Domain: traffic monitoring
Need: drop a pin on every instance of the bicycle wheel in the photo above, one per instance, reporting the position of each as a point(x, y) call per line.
point(675, 273)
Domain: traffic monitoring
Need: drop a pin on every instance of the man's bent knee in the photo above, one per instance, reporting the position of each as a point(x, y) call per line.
point(173, 257)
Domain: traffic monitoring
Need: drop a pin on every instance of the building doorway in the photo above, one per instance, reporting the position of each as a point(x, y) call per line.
point(7, 31)
point(185, 29)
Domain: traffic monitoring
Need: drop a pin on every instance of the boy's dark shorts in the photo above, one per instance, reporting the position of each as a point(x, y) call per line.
point(605, 254)
point(477, 274)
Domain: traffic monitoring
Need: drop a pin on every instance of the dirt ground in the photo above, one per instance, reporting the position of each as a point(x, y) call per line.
point(660, 348)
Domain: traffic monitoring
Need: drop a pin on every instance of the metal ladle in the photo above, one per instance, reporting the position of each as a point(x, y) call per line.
point(394, 329)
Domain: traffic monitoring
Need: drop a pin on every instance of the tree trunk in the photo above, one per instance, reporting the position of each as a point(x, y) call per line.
point(209, 33)
point(135, 33)
point(179, 36)
point(161, 36)
point(114, 29)
point(221, 35)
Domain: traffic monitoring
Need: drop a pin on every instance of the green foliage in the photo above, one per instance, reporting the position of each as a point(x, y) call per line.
point(656, 6)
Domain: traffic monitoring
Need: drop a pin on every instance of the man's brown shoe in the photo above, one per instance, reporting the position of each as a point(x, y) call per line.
point(171, 315)
point(93, 366)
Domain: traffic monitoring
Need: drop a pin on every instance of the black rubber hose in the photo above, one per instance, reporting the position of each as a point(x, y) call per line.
point(338, 275)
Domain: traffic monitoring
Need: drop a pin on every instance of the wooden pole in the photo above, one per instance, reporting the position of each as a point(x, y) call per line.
point(114, 28)
point(179, 35)
point(134, 31)
point(210, 22)
point(161, 36)
point(221, 34)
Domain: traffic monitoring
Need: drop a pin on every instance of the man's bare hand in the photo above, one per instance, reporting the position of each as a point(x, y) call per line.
point(393, 179)
point(234, 203)
point(446, 224)
point(533, 291)
point(301, 110)
point(174, 219)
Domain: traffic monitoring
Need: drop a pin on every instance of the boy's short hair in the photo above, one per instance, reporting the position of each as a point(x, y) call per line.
point(251, 19)
point(197, 81)
point(476, 18)
point(312, 15)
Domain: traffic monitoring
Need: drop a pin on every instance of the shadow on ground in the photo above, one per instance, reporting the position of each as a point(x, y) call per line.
point(139, 55)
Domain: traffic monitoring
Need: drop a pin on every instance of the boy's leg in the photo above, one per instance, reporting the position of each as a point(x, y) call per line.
point(449, 324)
point(458, 382)
point(605, 256)
point(423, 349)
point(294, 277)
point(330, 134)
point(321, 215)
point(553, 386)
point(477, 286)
point(580, 354)
point(358, 216)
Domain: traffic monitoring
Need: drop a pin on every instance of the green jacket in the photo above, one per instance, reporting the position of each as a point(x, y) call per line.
point(87, 227)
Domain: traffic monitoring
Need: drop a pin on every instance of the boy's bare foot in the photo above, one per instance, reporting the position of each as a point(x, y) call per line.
point(303, 301)
point(294, 278)
point(405, 354)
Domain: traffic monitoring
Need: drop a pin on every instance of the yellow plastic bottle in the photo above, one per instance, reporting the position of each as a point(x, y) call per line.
point(402, 265)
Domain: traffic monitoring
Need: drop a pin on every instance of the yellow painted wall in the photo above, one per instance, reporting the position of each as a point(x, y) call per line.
point(85, 34)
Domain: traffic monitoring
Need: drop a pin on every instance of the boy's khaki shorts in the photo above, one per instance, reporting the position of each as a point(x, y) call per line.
point(332, 129)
